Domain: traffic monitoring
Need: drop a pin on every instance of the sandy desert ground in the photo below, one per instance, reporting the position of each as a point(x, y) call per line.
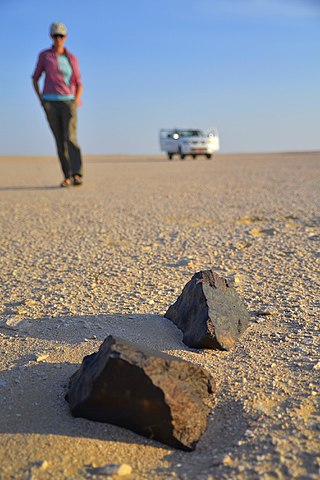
point(109, 257)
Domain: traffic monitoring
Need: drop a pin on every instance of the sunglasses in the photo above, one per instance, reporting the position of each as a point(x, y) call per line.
point(58, 35)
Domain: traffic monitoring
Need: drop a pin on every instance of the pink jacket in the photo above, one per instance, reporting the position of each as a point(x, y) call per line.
point(54, 82)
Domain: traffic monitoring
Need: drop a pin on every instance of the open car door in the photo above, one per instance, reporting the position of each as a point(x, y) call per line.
point(213, 136)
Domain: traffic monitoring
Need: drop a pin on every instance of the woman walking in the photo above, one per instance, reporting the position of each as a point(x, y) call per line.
point(60, 99)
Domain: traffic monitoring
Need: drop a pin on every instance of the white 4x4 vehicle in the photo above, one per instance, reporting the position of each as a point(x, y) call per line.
point(188, 142)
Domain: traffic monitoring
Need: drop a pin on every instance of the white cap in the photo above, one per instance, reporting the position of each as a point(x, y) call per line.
point(58, 29)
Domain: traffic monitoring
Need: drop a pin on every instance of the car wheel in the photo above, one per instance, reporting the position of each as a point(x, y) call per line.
point(208, 155)
point(182, 155)
point(194, 156)
point(169, 156)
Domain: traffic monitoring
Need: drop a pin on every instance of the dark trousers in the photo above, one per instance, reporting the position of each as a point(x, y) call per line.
point(62, 118)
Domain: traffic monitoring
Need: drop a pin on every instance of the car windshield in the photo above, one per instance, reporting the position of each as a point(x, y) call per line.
point(191, 133)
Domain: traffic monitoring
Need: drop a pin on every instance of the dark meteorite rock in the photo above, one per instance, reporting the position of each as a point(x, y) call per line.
point(209, 312)
point(150, 393)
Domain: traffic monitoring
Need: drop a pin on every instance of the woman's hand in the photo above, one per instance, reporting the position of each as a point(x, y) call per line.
point(78, 95)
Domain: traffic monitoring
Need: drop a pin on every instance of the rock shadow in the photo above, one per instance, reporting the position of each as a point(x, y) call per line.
point(32, 402)
point(226, 427)
point(153, 331)
point(32, 388)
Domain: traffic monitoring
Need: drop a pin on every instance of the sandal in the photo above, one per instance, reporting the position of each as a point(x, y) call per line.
point(67, 182)
point(77, 180)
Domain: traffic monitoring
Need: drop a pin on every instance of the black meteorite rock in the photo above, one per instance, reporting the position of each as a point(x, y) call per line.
point(150, 393)
point(209, 312)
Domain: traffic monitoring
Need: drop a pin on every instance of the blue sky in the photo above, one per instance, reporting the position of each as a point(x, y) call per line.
point(248, 67)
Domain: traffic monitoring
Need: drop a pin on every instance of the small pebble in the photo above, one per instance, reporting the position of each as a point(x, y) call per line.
point(267, 312)
point(41, 358)
point(121, 470)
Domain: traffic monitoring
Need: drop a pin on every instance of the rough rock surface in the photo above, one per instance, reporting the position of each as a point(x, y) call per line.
point(150, 393)
point(209, 312)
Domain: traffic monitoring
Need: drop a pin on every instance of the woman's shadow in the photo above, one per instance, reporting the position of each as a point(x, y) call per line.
point(29, 187)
